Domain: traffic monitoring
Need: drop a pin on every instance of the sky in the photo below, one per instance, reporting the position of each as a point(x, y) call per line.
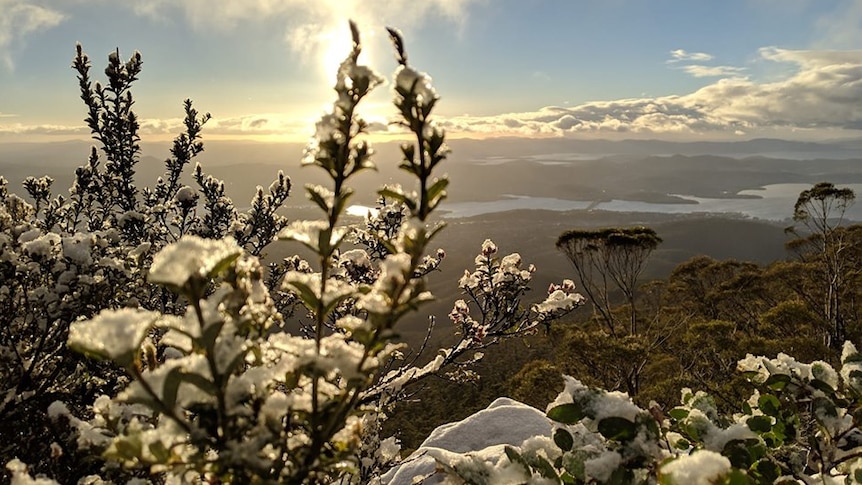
point(657, 69)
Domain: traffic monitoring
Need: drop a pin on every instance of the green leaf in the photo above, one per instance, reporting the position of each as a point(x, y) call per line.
point(737, 452)
point(437, 191)
point(738, 477)
point(573, 463)
point(544, 468)
point(750, 375)
point(306, 294)
point(822, 386)
point(617, 428)
point(209, 334)
point(678, 413)
point(222, 265)
point(516, 457)
point(128, 447)
point(688, 396)
point(564, 439)
point(171, 387)
point(777, 382)
point(766, 471)
point(200, 382)
point(826, 406)
point(769, 404)
point(621, 476)
point(759, 424)
point(569, 413)
point(341, 202)
point(160, 451)
point(854, 357)
point(566, 478)
point(403, 198)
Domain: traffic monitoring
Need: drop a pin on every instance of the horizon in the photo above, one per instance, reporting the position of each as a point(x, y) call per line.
point(613, 70)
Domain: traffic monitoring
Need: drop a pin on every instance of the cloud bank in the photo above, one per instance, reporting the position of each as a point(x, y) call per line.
point(822, 92)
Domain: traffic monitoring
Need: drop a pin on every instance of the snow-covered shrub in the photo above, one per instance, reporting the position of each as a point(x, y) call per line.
point(801, 425)
point(67, 257)
point(217, 392)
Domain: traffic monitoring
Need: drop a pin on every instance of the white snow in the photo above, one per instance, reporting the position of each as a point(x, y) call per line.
point(189, 257)
point(112, 334)
point(503, 422)
point(700, 468)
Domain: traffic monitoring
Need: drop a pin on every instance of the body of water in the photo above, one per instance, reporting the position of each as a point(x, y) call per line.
point(773, 202)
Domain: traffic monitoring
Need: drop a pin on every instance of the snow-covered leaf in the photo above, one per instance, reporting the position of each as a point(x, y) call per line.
point(112, 334)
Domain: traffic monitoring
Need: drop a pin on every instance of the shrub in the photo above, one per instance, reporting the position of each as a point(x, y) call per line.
point(208, 386)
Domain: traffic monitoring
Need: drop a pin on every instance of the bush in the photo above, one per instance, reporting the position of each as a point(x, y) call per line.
point(207, 387)
point(801, 425)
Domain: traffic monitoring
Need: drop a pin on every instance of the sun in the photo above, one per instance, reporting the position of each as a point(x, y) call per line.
point(335, 44)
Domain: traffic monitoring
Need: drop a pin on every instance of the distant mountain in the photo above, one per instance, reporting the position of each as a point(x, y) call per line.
point(486, 170)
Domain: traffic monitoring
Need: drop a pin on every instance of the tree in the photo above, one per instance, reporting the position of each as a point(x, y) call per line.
point(821, 210)
point(616, 253)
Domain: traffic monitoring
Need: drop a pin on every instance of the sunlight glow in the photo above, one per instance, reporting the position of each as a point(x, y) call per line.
point(335, 45)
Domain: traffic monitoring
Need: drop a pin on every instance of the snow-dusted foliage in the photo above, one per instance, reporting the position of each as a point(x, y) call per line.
point(801, 425)
point(67, 257)
point(210, 388)
point(190, 376)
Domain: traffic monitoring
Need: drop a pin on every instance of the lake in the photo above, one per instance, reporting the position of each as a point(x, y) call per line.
point(772, 202)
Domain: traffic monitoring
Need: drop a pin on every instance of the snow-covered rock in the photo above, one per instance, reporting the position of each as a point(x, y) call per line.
point(504, 422)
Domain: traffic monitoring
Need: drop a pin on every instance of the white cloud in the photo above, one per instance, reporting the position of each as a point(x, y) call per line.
point(18, 19)
point(681, 55)
point(250, 124)
point(305, 20)
point(821, 93)
point(698, 70)
point(41, 129)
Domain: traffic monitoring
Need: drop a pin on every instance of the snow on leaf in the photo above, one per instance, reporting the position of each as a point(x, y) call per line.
point(700, 468)
point(192, 257)
point(309, 233)
point(112, 334)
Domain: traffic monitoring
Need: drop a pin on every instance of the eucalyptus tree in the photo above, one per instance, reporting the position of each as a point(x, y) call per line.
point(821, 211)
point(610, 256)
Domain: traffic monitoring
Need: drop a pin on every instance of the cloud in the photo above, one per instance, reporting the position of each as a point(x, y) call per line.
point(819, 95)
point(307, 23)
point(698, 70)
point(691, 63)
point(822, 92)
point(18, 19)
point(41, 129)
point(680, 55)
point(841, 27)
